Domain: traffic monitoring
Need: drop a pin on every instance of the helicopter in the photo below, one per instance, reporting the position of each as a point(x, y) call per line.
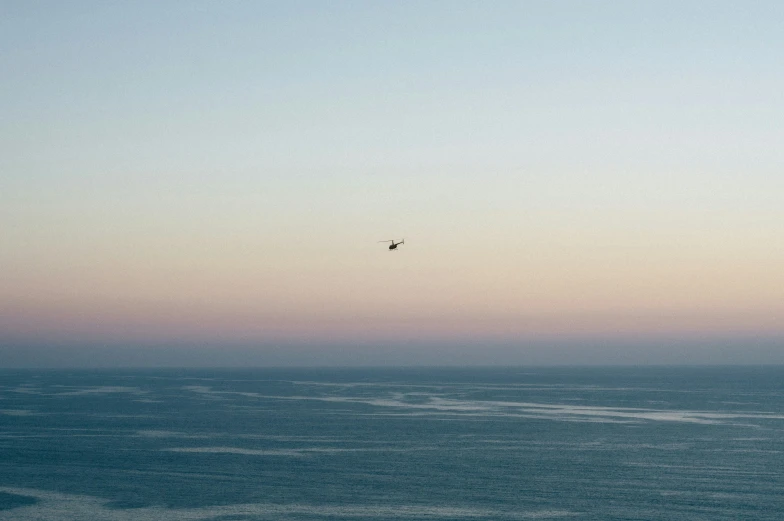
point(394, 244)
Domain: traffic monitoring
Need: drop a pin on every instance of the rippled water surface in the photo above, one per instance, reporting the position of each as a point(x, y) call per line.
point(393, 444)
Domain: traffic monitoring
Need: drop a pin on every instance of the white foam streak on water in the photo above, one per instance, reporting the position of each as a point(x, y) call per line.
point(556, 411)
point(436, 416)
point(17, 412)
point(297, 453)
point(260, 452)
point(25, 389)
point(54, 506)
point(564, 412)
point(443, 386)
point(167, 434)
point(103, 389)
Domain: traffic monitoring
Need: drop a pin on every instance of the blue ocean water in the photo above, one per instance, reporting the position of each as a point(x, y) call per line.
point(393, 444)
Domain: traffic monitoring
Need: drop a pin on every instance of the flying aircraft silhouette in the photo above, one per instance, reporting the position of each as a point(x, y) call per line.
point(394, 244)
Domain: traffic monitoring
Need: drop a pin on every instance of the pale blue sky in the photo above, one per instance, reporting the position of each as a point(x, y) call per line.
point(558, 168)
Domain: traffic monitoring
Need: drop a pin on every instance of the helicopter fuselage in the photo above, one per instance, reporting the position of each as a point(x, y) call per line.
point(394, 244)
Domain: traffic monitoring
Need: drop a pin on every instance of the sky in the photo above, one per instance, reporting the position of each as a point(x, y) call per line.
point(576, 182)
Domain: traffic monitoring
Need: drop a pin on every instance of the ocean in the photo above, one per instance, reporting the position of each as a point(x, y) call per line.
point(621, 443)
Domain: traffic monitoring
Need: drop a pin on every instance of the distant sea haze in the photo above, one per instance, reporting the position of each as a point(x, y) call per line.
point(541, 351)
point(602, 443)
